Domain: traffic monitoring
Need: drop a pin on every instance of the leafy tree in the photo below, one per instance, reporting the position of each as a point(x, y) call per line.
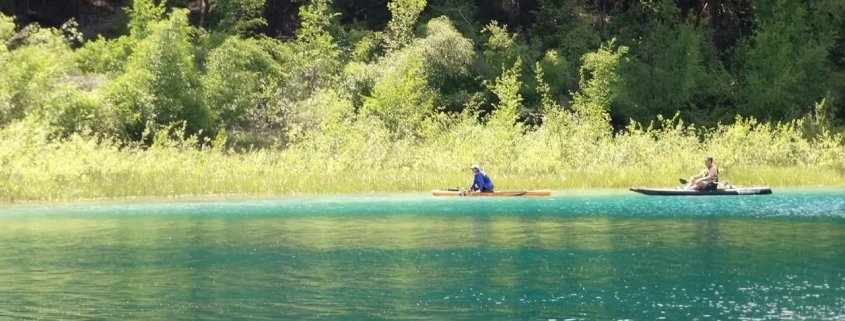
point(315, 57)
point(784, 67)
point(242, 78)
point(669, 68)
point(556, 73)
point(447, 58)
point(142, 15)
point(400, 29)
point(161, 84)
point(401, 98)
point(443, 54)
point(599, 81)
point(317, 19)
point(7, 31)
point(463, 14)
point(103, 56)
point(544, 90)
point(109, 56)
point(308, 65)
point(31, 70)
point(39, 82)
point(446, 53)
point(238, 16)
point(566, 27)
point(506, 88)
point(501, 49)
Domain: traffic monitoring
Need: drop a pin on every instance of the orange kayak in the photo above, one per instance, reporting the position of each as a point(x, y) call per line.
point(455, 192)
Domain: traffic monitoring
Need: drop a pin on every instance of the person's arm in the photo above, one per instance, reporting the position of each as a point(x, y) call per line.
point(711, 175)
point(477, 182)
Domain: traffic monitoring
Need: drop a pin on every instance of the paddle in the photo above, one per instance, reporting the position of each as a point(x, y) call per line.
point(683, 181)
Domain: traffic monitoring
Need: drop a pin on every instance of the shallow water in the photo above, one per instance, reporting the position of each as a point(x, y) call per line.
point(607, 255)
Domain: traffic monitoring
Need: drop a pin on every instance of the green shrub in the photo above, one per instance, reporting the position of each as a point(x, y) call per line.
point(404, 15)
point(669, 67)
point(238, 16)
point(101, 56)
point(446, 54)
point(7, 31)
point(401, 98)
point(161, 84)
point(784, 68)
point(242, 78)
point(599, 86)
point(41, 83)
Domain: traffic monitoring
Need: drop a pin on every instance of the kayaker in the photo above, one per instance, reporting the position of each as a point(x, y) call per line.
point(707, 180)
point(480, 181)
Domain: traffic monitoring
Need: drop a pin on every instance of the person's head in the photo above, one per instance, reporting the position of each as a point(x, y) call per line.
point(708, 161)
point(475, 168)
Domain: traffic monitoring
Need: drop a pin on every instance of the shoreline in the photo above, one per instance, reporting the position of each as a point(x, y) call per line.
point(320, 196)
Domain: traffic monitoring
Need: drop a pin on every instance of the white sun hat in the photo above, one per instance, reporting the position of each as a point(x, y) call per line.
point(475, 166)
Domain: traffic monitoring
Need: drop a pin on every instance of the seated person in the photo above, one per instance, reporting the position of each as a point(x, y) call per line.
point(480, 182)
point(707, 180)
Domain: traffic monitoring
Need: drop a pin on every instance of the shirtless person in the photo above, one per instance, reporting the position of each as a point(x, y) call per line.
point(707, 180)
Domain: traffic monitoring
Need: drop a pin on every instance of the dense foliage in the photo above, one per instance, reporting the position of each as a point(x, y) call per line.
point(555, 86)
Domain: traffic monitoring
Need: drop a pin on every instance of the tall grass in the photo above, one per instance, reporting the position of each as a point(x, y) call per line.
point(361, 157)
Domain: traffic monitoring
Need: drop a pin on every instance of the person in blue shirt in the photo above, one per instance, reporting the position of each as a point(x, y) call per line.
point(480, 182)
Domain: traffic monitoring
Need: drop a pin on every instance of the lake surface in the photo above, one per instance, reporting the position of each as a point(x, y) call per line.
point(607, 255)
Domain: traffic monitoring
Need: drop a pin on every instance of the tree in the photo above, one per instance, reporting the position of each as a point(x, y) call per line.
point(599, 81)
point(110, 56)
point(40, 84)
point(463, 14)
point(401, 98)
point(672, 66)
point(142, 15)
point(161, 84)
point(501, 49)
point(242, 77)
point(447, 57)
point(315, 57)
point(400, 29)
point(7, 31)
point(785, 67)
point(238, 16)
point(566, 26)
point(506, 88)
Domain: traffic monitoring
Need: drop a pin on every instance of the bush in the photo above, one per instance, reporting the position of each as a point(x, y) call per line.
point(101, 56)
point(161, 84)
point(670, 68)
point(238, 16)
point(401, 98)
point(784, 68)
point(242, 78)
point(599, 81)
point(446, 54)
point(40, 83)
point(400, 29)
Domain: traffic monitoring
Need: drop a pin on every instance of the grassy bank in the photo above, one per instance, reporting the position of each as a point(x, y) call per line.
point(84, 167)
point(170, 109)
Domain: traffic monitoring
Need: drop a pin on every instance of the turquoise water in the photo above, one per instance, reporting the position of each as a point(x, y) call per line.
point(608, 255)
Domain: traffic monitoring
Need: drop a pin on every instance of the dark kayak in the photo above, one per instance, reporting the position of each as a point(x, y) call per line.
point(726, 191)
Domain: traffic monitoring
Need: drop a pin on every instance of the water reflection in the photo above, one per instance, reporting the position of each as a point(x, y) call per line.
point(420, 267)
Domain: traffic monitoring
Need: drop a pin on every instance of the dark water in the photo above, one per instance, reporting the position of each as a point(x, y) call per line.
point(584, 256)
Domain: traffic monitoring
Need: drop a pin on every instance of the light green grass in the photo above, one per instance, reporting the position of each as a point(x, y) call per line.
point(35, 168)
point(110, 173)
